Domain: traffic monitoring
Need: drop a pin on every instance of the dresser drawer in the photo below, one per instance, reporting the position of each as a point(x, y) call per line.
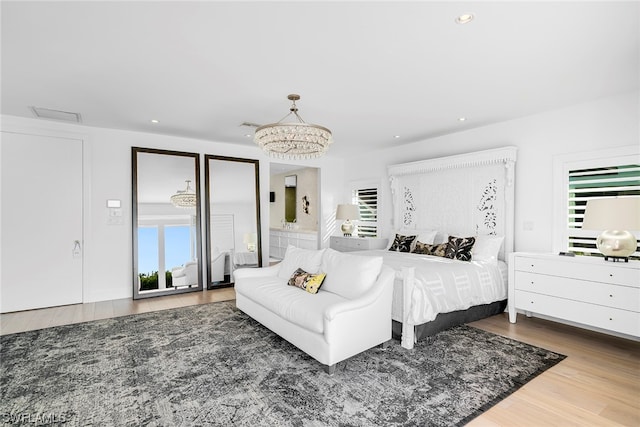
point(561, 266)
point(622, 321)
point(623, 297)
point(347, 244)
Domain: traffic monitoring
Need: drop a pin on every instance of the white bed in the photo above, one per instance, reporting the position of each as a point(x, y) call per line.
point(467, 195)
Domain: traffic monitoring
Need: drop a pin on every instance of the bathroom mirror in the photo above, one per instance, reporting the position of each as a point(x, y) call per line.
point(290, 183)
point(232, 210)
point(166, 222)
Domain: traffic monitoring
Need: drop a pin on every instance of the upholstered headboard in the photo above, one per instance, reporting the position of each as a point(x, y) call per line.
point(464, 195)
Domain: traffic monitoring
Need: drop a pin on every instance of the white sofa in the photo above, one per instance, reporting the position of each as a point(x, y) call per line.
point(350, 313)
point(186, 275)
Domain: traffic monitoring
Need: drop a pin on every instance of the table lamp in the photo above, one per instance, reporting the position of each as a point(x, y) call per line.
point(347, 213)
point(616, 217)
point(250, 239)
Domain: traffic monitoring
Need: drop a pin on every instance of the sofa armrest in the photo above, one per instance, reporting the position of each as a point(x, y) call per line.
point(384, 283)
point(256, 272)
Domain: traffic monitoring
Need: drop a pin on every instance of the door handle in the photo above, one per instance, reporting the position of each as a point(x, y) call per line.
point(77, 249)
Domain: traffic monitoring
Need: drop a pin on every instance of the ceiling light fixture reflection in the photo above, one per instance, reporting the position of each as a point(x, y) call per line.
point(185, 198)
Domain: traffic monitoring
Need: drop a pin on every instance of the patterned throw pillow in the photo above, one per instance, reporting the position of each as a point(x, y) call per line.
point(313, 282)
point(298, 278)
point(426, 249)
point(402, 243)
point(460, 248)
point(307, 281)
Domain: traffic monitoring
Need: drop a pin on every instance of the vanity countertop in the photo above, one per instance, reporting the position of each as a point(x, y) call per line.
point(294, 230)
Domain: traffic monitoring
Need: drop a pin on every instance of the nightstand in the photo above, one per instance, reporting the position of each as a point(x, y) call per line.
point(584, 290)
point(349, 244)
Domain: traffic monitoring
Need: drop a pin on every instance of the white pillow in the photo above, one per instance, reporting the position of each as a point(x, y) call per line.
point(487, 248)
point(441, 238)
point(349, 276)
point(427, 236)
point(307, 259)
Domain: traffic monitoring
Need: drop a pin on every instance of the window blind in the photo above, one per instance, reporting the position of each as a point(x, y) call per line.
point(367, 201)
point(595, 183)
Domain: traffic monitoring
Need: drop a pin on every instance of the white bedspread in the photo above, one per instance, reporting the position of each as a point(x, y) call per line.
point(443, 285)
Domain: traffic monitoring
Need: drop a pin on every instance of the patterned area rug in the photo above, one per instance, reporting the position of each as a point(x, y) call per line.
point(213, 365)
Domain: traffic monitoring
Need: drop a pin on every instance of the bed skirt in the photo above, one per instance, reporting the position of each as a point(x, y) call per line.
point(447, 320)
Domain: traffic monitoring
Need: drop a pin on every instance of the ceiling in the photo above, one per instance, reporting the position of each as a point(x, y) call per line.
point(378, 74)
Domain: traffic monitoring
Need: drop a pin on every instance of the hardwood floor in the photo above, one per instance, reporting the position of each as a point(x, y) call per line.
point(47, 317)
point(598, 384)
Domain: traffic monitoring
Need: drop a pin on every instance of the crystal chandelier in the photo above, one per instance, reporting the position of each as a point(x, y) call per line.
point(185, 198)
point(293, 140)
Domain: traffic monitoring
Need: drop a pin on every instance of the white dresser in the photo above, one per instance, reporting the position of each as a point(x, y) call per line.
point(280, 239)
point(583, 290)
point(348, 244)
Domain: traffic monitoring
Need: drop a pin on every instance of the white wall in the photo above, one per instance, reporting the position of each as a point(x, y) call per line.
point(107, 162)
point(306, 185)
point(601, 124)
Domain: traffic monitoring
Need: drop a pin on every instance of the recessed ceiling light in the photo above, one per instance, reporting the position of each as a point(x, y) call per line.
point(248, 135)
point(154, 121)
point(465, 18)
point(397, 136)
point(462, 119)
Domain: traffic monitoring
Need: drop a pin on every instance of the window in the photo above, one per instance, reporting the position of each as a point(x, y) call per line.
point(600, 176)
point(367, 200)
point(161, 247)
point(147, 250)
point(177, 242)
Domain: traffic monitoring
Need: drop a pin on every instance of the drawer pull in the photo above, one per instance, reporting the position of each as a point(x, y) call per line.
point(610, 296)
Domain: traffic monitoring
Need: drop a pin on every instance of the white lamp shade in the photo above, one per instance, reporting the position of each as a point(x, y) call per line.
point(348, 212)
point(250, 238)
point(615, 213)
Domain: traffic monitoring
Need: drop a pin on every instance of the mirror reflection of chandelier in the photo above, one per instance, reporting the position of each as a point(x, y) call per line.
point(185, 198)
point(293, 140)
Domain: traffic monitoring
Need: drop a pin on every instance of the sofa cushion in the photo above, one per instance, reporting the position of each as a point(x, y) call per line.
point(301, 308)
point(307, 259)
point(349, 275)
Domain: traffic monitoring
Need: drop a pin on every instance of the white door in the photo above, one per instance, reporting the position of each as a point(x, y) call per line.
point(41, 221)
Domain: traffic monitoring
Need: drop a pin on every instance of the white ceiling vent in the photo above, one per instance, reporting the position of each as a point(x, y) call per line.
point(65, 116)
point(249, 124)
